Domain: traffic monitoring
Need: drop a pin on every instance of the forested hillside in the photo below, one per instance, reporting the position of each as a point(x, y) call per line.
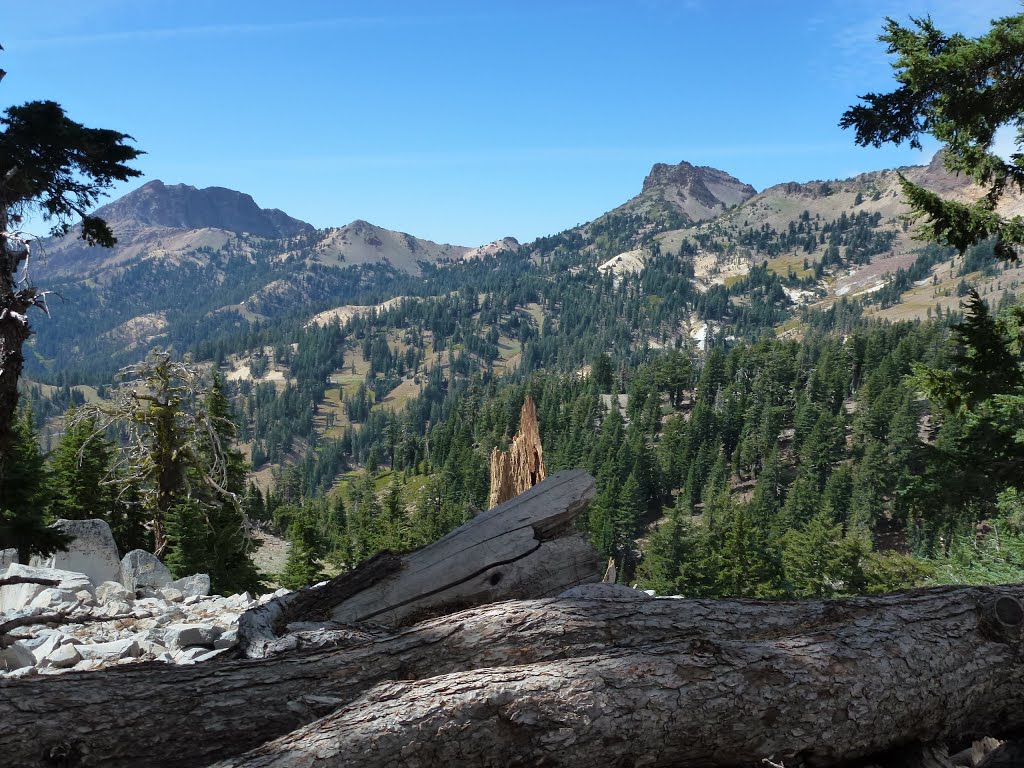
point(732, 377)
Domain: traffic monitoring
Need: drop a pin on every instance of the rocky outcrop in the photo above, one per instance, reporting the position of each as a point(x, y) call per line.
point(110, 625)
point(522, 466)
point(181, 206)
point(68, 586)
point(697, 193)
point(84, 609)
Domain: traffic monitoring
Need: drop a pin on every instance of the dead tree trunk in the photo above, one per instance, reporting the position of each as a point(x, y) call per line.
point(522, 466)
point(563, 682)
point(15, 302)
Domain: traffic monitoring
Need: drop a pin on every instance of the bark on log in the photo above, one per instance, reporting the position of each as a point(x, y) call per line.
point(571, 682)
point(263, 631)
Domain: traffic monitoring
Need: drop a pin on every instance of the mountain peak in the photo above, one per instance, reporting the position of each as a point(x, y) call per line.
point(697, 192)
point(182, 206)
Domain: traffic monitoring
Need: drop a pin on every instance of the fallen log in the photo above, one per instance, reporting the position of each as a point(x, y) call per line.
point(563, 682)
point(525, 547)
point(904, 676)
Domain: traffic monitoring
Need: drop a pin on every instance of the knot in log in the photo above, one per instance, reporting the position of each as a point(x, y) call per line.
point(1002, 619)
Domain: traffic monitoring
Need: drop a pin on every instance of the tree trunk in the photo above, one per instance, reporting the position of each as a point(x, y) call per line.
point(14, 332)
point(562, 682)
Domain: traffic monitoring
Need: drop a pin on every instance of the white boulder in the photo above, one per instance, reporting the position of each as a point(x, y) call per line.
point(113, 591)
point(57, 599)
point(111, 651)
point(49, 645)
point(227, 640)
point(140, 569)
point(14, 597)
point(62, 657)
point(183, 635)
point(7, 556)
point(196, 585)
point(16, 656)
point(92, 551)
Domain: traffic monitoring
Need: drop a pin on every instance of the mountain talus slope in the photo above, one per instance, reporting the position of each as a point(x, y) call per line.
point(361, 243)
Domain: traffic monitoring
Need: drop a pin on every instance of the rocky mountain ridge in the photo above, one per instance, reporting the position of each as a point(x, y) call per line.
point(182, 206)
point(692, 193)
point(159, 219)
point(237, 277)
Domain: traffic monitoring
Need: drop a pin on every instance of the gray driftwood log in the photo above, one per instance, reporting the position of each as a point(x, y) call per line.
point(563, 682)
point(526, 547)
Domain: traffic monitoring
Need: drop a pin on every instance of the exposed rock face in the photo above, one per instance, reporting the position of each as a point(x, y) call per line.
point(497, 246)
point(522, 467)
point(92, 551)
point(697, 192)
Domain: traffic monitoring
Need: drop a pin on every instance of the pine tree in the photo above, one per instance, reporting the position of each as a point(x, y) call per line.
point(302, 567)
point(48, 163)
point(749, 570)
point(818, 561)
point(206, 529)
point(25, 495)
point(80, 466)
point(961, 91)
point(659, 568)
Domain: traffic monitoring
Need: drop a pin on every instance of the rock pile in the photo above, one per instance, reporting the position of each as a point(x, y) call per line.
point(101, 610)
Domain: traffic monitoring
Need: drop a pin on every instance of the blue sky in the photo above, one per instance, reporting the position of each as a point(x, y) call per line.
point(463, 122)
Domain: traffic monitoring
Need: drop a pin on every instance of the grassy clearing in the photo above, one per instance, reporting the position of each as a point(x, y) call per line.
point(731, 280)
point(535, 312)
point(791, 262)
point(411, 488)
point(509, 352)
point(355, 364)
point(396, 399)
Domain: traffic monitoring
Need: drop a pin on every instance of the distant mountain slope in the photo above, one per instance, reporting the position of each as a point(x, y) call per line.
point(197, 266)
point(191, 265)
point(161, 219)
point(180, 206)
point(847, 237)
point(362, 243)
